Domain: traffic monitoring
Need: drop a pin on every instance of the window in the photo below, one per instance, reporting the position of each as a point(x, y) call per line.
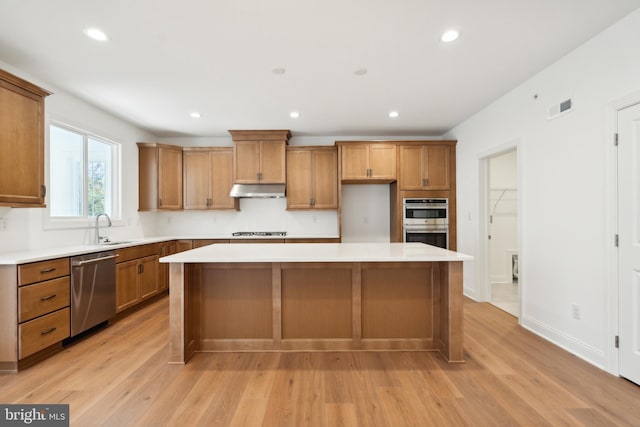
point(83, 174)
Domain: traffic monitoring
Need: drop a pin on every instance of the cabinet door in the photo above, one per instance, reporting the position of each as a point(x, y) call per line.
point(299, 179)
point(436, 164)
point(247, 162)
point(272, 162)
point(221, 180)
point(382, 161)
point(196, 179)
point(411, 168)
point(126, 284)
point(21, 147)
point(148, 277)
point(325, 179)
point(355, 162)
point(170, 178)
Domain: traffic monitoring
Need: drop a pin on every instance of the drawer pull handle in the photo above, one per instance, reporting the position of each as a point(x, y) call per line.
point(48, 331)
point(48, 297)
point(48, 270)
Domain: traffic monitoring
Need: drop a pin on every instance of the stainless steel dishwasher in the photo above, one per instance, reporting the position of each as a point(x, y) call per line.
point(93, 290)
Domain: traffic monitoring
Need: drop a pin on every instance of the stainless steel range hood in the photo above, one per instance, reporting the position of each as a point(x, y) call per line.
point(265, 191)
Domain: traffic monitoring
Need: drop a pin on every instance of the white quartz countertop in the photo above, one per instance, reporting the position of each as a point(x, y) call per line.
point(316, 252)
point(34, 255)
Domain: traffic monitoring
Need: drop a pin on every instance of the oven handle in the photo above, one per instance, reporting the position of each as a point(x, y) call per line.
point(421, 229)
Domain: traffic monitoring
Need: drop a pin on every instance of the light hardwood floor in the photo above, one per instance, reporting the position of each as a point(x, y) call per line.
point(119, 377)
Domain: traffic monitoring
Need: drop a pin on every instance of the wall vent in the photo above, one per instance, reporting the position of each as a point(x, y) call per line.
point(559, 109)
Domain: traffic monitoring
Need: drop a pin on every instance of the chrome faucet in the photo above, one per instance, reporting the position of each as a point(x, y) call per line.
point(98, 237)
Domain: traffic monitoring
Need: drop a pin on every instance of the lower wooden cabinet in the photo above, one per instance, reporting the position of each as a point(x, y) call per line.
point(40, 333)
point(136, 275)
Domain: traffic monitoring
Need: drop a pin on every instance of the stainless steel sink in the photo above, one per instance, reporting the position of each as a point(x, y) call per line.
point(122, 242)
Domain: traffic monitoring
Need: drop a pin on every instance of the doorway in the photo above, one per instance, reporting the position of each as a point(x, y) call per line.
point(502, 256)
point(628, 162)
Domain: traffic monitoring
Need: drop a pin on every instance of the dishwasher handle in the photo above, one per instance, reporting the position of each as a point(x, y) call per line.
point(91, 261)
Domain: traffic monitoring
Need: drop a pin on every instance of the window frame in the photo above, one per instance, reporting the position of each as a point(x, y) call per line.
point(85, 221)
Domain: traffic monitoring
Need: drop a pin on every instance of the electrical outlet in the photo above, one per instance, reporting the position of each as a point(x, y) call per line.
point(575, 311)
point(3, 224)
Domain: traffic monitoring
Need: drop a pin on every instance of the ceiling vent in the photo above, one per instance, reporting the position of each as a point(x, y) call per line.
point(558, 110)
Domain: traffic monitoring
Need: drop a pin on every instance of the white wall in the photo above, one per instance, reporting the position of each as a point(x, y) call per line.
point(365, 213)
point(23, 229)
point(503, 208)
point(564, 186)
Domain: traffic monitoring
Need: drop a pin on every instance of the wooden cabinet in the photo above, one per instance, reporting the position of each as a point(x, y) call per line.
point(259, 156)
point(34, 311)
point(21, 142)
point(159, 177)
point(367, 162)
point(424, 167)
point(166, 249)
point(208, 177)
point(136, 275)
point(312, 178)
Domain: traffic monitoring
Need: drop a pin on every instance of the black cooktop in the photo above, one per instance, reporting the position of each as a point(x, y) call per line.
point(260, 233)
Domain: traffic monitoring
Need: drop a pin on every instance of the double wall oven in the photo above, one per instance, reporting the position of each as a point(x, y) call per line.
point(426, 221)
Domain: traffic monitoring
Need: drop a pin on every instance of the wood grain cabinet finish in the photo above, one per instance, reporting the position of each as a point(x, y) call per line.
point(22, 181)
point(207, 179)
point(312, 178)
point(34, 311)
point(367, 162)
point(166, 249)
point(136, 275)
point(424, 167)
point(259, 156)
point(159, 177)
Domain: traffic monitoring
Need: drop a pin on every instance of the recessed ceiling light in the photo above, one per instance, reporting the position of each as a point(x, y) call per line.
point(196, 115)
point(360, 71)
point(449, 36)
point(96, 34)
point(393, 114)
point(294, 114)
point(278, 70)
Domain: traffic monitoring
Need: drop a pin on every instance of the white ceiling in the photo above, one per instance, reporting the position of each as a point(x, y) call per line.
point(167, 58)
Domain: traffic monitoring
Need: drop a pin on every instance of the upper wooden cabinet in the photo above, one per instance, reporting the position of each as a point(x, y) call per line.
point(368, 161)
point(424, 167)
point(21, 142)
point(259, 156)
point(160, 177)
point(312, 178)
point(208, 177)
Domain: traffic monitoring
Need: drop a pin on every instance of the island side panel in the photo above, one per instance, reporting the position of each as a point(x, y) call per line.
point(397, 306)
point(451, 314)
point(316, 301)
point(178, 313)
point(236, 306)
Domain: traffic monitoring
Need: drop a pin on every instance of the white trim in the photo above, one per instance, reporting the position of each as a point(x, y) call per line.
point(68, 223)
point(584, 351)
point(612, 291)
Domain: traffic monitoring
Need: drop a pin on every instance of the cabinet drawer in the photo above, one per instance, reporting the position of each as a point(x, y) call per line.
point(134, 252)
point(42, 298)
point(43, 270)
point(44, 331)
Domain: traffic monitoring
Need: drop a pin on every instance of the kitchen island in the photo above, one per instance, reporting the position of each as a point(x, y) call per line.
point(316, 297)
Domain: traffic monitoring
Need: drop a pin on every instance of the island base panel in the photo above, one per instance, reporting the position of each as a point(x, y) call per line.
point(316, 307)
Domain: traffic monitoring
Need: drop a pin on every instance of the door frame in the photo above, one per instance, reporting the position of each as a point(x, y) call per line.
point(483, 268)
point(612, 293)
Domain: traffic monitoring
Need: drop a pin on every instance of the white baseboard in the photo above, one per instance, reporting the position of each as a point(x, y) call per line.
point(584, 351)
